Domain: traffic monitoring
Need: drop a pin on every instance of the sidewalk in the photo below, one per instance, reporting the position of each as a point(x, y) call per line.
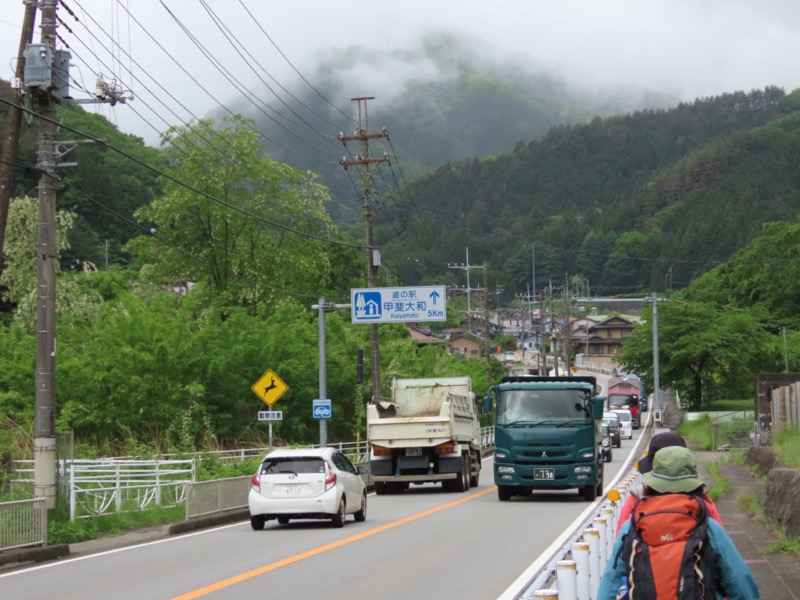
point(777, 575)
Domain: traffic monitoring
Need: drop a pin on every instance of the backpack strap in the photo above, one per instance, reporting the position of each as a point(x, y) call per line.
point(627, 538)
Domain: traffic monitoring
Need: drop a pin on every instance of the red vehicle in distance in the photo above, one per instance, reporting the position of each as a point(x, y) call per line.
point(625, 392)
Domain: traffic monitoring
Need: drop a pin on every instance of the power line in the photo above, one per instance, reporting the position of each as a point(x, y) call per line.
point(186, 185)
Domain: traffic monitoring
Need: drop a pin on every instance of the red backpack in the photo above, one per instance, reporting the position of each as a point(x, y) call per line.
point(667, 552)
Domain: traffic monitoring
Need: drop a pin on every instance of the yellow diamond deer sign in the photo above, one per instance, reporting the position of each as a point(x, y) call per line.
point(269, 387)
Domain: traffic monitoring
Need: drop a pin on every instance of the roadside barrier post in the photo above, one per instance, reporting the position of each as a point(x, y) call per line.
point(580, 553)
point(592, 536)
point(601, 526)
point(567, 579)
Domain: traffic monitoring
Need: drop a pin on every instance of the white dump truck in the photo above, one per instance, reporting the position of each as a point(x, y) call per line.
point(429, 431)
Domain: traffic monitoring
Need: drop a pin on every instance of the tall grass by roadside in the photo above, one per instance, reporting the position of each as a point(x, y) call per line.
point(721, 484)
point(787, 448)
point(61, 530)
point(698, 433)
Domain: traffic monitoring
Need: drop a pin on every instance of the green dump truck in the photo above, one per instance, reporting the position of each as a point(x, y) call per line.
point(547, 435)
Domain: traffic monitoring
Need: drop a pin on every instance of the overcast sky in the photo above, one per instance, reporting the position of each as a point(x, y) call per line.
point(686, 48)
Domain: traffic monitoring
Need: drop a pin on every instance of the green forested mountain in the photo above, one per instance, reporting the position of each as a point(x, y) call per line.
point(632, 203)
point(441, 102)
point(628, 203)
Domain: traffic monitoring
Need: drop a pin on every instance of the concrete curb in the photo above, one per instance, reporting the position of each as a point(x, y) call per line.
point(23, 556)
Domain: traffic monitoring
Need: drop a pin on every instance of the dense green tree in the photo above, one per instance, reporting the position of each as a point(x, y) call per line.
point(594, 252)
point(762, 276)
point(627, 267)
point(247, 228)
point(705, 352)
point(18, 281)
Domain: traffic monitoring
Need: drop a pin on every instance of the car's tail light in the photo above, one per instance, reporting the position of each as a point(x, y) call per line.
point(255, 482)
point(330, 479)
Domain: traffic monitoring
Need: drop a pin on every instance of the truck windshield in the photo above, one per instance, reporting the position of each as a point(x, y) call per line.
point(535, 406)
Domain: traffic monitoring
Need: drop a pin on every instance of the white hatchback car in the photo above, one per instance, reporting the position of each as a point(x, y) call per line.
point(625, 423)
point(311, 483)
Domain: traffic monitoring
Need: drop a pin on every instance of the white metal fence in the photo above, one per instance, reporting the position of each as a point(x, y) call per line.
point(205, 498)
point(98, 487)
point(113, 485)
point(23, 523)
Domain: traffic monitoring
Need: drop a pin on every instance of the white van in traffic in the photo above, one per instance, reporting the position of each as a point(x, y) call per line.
point(625, 423)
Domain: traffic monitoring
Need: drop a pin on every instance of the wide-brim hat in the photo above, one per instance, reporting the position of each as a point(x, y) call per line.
point(658, 442)
point(674, 470)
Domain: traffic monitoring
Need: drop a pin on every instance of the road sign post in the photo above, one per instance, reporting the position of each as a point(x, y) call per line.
point(270, 415)
point(270, 388)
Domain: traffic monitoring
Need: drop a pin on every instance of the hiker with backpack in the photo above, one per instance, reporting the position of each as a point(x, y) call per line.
point(669, 549)
point(645, 465)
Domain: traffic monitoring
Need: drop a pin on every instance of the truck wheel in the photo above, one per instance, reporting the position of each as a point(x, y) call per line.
point(503, 493)
point(588, 492)
point(599, 488)
point(395, 488)
point(380, 488)
point(467, 460)
point(462, 483)
point(474, 478)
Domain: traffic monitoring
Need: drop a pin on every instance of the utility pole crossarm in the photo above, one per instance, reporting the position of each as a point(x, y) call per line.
point(362, 161)
point(363, 136)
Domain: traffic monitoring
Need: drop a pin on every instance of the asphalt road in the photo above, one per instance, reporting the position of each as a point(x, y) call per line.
point(421, 544)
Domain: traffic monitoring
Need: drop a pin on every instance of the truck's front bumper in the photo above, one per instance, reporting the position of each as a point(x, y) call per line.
point(545, 476)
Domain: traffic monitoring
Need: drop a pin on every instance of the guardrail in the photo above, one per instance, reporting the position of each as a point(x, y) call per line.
point(23, 523)
point(573, 571)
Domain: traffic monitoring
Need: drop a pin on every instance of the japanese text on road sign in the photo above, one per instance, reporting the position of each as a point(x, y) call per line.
point(398, 305)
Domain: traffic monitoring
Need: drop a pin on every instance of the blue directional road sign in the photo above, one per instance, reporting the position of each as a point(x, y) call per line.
point(398, 305)
point(322, 409)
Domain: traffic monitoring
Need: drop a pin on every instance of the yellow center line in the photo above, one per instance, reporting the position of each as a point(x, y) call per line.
point(303, 555)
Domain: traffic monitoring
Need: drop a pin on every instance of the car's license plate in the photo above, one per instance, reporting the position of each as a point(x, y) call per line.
point(291, 490)
point(544, 474)
point(413, 451)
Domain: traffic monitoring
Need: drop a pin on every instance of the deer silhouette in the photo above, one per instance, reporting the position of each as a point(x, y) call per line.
point(271, 386)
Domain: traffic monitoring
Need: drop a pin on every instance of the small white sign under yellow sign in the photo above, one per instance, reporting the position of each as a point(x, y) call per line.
point(269, 387)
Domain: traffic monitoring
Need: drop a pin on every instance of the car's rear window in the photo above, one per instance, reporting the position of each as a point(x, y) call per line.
point(293, 464)
point(624, 416)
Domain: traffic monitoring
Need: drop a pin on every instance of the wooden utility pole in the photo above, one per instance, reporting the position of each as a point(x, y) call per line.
point(373, 257)
point(13, 124)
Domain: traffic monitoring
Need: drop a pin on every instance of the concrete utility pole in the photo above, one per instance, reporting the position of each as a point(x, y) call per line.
point(46, 80)
point(656, 374)
point(13, 124)
point(486, 321)
point(44, 423)
point(373, 256)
